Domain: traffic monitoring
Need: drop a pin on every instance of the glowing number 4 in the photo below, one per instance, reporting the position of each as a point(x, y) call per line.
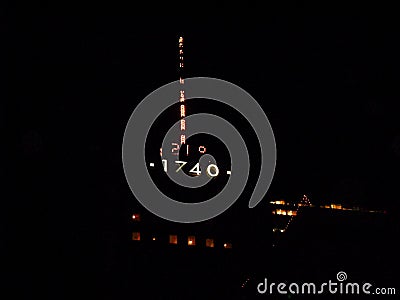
point(196, 169)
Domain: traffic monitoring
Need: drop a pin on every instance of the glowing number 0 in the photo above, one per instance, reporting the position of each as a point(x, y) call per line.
point(216, 170)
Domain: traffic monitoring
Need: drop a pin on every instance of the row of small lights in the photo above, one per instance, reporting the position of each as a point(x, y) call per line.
point(190, 243)
point(136, 217)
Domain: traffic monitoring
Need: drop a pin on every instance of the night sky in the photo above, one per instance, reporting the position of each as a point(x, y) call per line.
point(328, 85)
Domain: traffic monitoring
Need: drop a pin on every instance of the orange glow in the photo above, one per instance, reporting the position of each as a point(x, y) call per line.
point(135, 236)
point(183, 125)
point(210, 243)
point(191, 240)
point(227, 245)
point(136, 217)
point(183, 112)
point(183, 139)
point(173, 239)
point(278, 202)
point(336, 206)
point(285, 212)
point(180, 39)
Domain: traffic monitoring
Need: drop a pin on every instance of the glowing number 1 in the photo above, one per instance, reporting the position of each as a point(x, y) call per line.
point(165, 165)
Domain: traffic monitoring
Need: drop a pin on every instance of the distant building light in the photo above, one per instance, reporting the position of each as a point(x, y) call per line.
point(336, 206)
point(191, 240)
point(227, 245)
point(136, 217)
point(280, 202)
point(173, 239)
point(135, 236)
point(210, 243)
point(154, 238)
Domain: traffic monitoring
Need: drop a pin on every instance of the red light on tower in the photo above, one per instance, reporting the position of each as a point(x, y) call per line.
point(182, 108)
point(183, 113)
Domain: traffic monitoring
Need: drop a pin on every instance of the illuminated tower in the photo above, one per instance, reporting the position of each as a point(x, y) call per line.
point(182, 108)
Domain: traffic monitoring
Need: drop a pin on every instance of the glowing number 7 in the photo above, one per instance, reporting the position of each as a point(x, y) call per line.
point(182, 163)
